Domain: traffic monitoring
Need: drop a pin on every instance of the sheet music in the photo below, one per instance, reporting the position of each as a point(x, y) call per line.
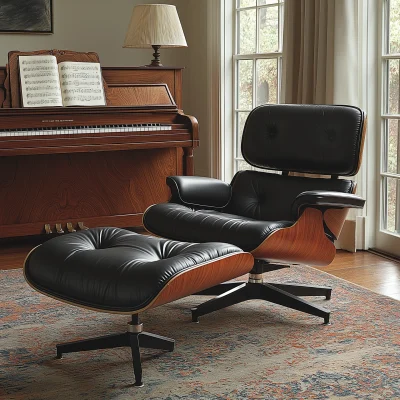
point(81, 84)
point(40, 83)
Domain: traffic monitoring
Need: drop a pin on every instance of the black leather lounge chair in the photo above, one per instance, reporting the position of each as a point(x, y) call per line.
point(280, 218)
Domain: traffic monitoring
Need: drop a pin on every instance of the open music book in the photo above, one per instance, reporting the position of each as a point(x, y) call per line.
point(44, 83)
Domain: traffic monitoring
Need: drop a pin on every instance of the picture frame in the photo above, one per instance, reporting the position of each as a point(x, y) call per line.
point(26, 16)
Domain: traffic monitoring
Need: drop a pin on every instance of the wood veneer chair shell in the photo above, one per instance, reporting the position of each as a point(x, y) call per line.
point(303, 243)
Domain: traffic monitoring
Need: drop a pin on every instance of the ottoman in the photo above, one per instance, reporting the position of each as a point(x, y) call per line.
point(117, 271)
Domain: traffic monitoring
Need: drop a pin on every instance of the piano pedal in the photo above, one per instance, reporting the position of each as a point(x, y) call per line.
point(47, 229)
point(59, 229)
point(70, 227)
point(82, 226)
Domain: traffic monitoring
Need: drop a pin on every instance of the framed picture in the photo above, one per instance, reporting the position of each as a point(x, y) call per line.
point(26, 16)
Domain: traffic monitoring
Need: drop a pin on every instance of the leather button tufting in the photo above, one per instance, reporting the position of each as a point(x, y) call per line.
point(331, 135)
point(272, 131)
point(304, 138)
point(126, 272)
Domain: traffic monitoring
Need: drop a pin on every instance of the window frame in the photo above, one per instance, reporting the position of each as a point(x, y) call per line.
point(385, 118)
point(232, 153)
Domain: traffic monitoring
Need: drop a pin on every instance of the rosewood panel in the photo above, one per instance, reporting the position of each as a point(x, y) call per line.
point(139, 95)
point(203, 277)
point(334, 219)
point(77, 187)
point(2, 81)
point(38, 228)
point(124, 75)
point(303, 243)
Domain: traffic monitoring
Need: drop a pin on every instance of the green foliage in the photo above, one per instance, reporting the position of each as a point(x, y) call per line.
point(260, 75)
point(394, 26)
point(266, 79)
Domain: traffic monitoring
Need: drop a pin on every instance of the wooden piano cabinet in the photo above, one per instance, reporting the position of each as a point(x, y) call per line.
point(2, 88)
point(106, 179)
point(101, 188)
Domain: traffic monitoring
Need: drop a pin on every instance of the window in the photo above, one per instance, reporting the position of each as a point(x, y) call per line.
point(257, 62)
point(390, 157)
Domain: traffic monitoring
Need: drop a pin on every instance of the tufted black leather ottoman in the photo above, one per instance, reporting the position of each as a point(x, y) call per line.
point(117, 271)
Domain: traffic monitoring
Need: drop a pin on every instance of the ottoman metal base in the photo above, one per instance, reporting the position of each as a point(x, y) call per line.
point(133, 338)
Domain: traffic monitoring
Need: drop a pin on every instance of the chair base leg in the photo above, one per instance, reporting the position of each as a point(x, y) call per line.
point(219, 289)
point(285, 295)
point(134, 340)
point(304, 290)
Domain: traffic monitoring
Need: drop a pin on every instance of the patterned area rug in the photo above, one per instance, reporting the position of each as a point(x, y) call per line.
point(254, 350)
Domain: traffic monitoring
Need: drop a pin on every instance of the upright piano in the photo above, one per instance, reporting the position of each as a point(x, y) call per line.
point(69, 168)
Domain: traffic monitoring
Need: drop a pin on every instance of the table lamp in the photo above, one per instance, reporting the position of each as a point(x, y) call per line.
point(155, 25)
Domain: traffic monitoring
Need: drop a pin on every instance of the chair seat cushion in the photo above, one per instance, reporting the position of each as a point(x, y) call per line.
point(179, 222)
point(113, 269)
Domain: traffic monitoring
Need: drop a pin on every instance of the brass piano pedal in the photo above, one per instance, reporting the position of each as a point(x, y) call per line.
point(70, 228)
point(59, 229)
point(82, 226)
point(47, 229)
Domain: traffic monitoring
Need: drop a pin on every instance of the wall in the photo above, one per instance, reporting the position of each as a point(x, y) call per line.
point(100, 26)
point(195, 78)
point(89, 25)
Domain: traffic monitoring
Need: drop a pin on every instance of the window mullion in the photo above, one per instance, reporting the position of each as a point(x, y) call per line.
point(390, 187)
point(255, 59)
point(241, 82)
point(256, 56)
point(254, 83)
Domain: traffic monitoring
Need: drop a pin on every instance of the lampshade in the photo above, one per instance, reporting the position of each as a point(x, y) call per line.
point(155, 25)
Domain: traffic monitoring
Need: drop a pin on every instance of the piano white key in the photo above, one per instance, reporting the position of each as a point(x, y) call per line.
point(93, 129)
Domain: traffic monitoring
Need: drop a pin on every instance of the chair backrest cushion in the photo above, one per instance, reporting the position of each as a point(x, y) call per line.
point(269, 197)
point(316, 139)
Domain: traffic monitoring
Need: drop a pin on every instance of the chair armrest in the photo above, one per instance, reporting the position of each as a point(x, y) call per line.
point(322, 200)
point(199, 191)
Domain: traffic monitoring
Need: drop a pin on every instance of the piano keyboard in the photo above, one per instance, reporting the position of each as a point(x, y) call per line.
point(75, 130)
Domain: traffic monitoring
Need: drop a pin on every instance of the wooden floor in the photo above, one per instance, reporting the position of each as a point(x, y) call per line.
point(363, 268)
point(369, 270)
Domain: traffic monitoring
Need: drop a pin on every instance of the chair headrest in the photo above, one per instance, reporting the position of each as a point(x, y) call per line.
point(316, 139)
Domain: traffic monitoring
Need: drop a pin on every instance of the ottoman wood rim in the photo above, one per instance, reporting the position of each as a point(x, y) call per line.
point(244, 264)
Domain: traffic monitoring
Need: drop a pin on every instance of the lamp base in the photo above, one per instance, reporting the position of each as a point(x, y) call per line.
point(156, 61)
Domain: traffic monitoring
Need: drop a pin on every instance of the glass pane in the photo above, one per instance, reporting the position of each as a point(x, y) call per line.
point(392, 190)
point(393, 87)
point(393, 146)
point(394, 27)
point(246, 3)
point(241, 120)
point(247, 31)
point(245, 84)
point(265, 2)
point(267, 81)
point(268, 29)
